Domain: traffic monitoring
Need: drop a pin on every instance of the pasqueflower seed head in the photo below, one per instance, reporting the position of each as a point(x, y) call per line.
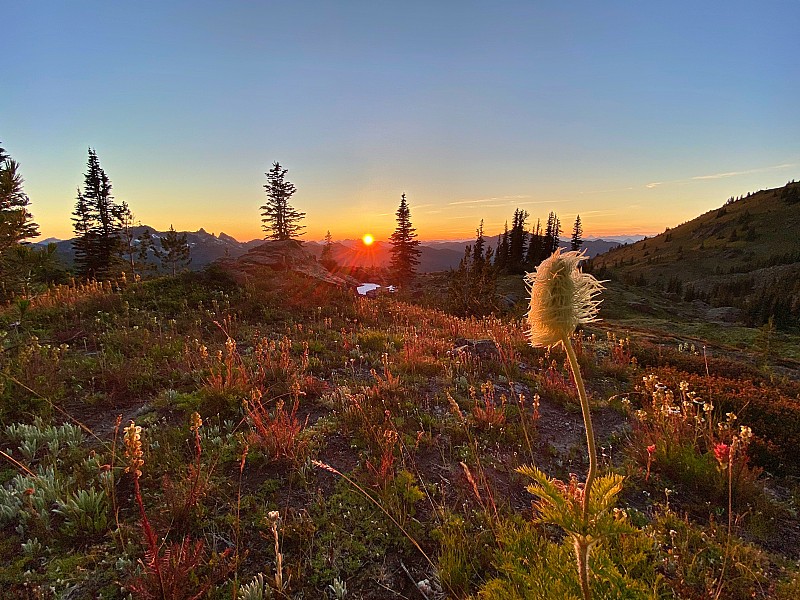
point(562, 297)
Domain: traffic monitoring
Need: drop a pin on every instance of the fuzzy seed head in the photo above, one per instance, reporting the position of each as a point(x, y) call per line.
point(562, 297)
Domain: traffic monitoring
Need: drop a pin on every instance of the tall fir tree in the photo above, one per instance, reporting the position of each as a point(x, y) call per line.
point(16, 221)
point(516, 242)
point(551, 234)
point(280, 220)
point(405, 247)
point(96, 222)
point(326, 258)
point(472, 288)
point(82, 242)
point(577, 233)
point(557, 231)
point(175, 252)
point(146, 251)
point(478, 249)
point(20, 265)
point(501, 255)
point(127, 221)
point(535, 246)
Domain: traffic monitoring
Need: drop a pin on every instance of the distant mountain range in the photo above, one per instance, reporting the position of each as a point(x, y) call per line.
point(435, 256)
point(205, 247)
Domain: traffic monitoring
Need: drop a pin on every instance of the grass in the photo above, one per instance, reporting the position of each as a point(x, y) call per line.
point(285, 374)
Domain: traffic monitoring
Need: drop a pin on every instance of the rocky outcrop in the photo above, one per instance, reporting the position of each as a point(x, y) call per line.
point(725, 314)
point(284, 255)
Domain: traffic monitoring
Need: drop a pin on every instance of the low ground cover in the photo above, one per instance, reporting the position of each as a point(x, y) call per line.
point(297, 441)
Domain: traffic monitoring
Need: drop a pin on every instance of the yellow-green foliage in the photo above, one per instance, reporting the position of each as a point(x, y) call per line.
point(532, 567)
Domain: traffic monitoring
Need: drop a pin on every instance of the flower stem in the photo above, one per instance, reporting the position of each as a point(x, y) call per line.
point(581, 546)
point(582, 556)
point(587, 423)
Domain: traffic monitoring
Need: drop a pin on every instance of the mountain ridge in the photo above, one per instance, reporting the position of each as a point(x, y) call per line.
point(207, 247)
point(744, 254)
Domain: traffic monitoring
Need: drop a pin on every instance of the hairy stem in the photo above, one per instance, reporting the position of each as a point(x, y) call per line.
point(582, 556)
point(152, 542)
point(587, 423)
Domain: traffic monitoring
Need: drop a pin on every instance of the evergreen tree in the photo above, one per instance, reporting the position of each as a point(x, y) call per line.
point(516, 242)
point(128, 236)
point(280, 220)
point(16, 225)
point(535, 246)
point(82, 242)
point(175, 252)
point(501, 256)
point(146, 250)
point(551, 234)
point(472, 289)
point(25, 265)
point(478, 252)
point(405, 247)
point(16, 222)
point(326, 258)
point(97, 223)
point(577, 232)
point(557, 231)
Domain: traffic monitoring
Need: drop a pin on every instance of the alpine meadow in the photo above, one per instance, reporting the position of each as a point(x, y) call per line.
point(364, 301)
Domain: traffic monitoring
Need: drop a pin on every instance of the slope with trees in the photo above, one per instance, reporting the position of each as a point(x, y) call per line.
point(743, 255)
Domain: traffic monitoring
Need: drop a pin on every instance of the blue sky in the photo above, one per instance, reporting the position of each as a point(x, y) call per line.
point(636, 115)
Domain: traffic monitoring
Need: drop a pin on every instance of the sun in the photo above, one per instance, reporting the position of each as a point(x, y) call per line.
point(367, 239)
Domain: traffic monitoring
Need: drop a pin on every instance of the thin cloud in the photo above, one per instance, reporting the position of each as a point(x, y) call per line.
point(611, 191)
point(748, 172)
point(541, 202)
point(492, 199)
point(724, 175)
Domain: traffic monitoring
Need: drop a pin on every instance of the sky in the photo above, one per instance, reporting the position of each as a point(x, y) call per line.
point(636, 115)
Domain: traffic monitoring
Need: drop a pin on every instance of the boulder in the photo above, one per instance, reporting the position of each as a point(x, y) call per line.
point(481, 348)
point(725, 314)
point(281, 255)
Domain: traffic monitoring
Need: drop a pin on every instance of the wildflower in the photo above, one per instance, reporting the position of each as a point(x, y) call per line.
point(650, 449)
point(562, 297)
point(133, 449)
point(195, 422)
point(722, 453)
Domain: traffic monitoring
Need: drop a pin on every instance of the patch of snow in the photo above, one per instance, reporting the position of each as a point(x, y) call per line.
point(367, 287)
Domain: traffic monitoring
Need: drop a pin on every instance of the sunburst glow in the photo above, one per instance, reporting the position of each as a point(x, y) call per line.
point(367, 239)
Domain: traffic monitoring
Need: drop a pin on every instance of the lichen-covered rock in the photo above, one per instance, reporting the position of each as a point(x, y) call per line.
point(283, 255)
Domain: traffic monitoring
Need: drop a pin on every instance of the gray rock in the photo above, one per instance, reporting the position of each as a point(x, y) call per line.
point(283, 255)
point(725, 314)
point(480, 348)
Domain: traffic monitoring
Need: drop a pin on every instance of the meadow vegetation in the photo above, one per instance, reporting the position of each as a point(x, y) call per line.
point(187, 437)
